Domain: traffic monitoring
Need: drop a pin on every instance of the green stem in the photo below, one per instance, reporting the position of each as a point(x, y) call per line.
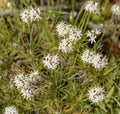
point(99, 42)
point(76, 20)
point(114, 33)
point(84, 20)
point(47, 31)
point(87, 22)
point(31, 38)
point(73, 9)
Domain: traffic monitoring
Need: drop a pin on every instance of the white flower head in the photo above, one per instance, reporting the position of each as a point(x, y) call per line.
point(92, 7)
point(115, 9)
point(21, 80)
point(96, 94)
point(26, 84)
point(65, 45)
point(100, 61)
point(28, 93)
point(11, 110)
point(1, 62)
point(97, 60)
point(51, 61)
point(23, 84)
point(97, 31)
point(30, 15)
point(92, 35)
point(34, 77)
point(25, 16)
point(15, 45)
point(75, 34)
point(63, 29)
point(88, 56)
point(34, 14)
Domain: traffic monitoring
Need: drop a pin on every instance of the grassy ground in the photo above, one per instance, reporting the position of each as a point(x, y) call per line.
point(63, 90)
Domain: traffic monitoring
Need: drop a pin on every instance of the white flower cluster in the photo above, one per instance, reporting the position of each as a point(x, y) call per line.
point(11, 110)
point(87, 56)
point(96, 94)
point(115, 9)
point(51, 61)
point(92, 35)
point(75, 34)
point(97, 60)
point(92, 7)
point(72, 34)
point(63, 29)
point(26, 84)
point(30, 15)
point(34, 77)
point(65, 45)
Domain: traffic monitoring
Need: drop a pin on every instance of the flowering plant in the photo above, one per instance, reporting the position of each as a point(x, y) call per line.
point(57, 67)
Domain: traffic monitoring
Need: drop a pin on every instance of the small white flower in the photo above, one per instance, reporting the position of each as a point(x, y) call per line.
point(96, 94)
point(75, 34)
point(11, 110)
point(35, 77)
point(115, 9)
point(15, 45)
point(97, 60)
point(97, 31)
point(93, 35)
point(30, 15)
point(88, 56)
point(23, 84)
point(34, 14)
point(21, 80)
point(100, 61)
point(65, 45)
point(26, 84)
point(1, 62)
point(25, 16)
point(63, 29)
point(28, 92)
point(92, 7)
point(51, 61)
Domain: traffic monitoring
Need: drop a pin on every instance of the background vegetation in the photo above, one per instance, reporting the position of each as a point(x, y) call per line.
point(65, 89)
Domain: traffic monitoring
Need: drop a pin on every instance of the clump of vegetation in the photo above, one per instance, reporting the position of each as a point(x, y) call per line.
point(51, 64)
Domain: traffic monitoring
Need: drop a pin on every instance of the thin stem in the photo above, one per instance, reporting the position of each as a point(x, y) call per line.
point(99, 42)
point(31, 38)
point(73, 9)
point(78, 16)
point(84, 20)
point(114, 33)
point(116, 101)
point(87, 22)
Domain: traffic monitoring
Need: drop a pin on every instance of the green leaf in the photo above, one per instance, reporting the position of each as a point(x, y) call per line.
point(102, 106)
point(109, 94)
point(109, 70)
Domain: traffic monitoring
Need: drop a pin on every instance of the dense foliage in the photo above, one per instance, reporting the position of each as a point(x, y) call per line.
point(56, 62)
